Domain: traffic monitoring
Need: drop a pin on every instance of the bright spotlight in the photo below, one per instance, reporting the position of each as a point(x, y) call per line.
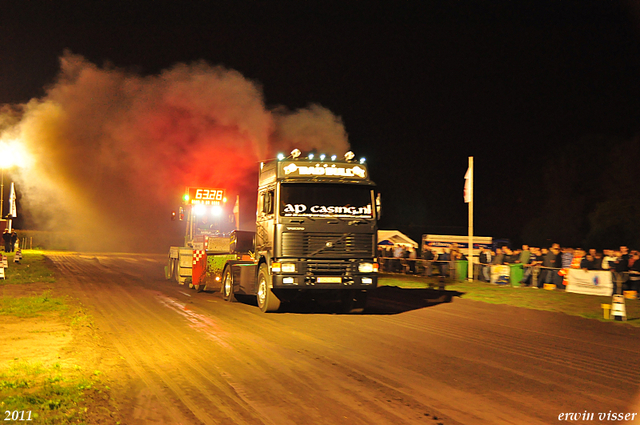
point(13, 153)
point(280, 156)
point(322, 157)
point(310, 156)
point(334, 157)
point(199, 209)
point(216, 210)
point(362, 160)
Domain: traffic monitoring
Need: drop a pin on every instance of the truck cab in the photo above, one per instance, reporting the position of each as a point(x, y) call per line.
point(316, 232)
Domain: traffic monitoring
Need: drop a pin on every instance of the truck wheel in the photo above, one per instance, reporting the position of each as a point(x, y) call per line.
point(353, 301)
point(169, 272)
point(267, 301)
point(347, 300)
point(199, 287)
point(360, 302)
point(176, 270)
point(227, 285)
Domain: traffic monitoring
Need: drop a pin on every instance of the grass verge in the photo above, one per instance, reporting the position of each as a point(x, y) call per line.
point(31, 268)
point(588, 306)
point(52, 394)
point(54, 383)
point(33, 305)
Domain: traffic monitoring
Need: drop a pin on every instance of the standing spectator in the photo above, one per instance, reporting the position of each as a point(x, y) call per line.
point(430, 255)
point(499, 258)
point(588, 263)
point(443, 263)
point(510, 257)
point(398, 253)
point(485, 259)
point(535, 259)
point(567, 257)
point(549, 263)
point(634, 273)
point(597, 258)
point(427, 253)
point(624, 258)
point(621, 266)
point(524, 255)
point(6, 237)
point(578, 256)
point(608, 259)
point(14, 239)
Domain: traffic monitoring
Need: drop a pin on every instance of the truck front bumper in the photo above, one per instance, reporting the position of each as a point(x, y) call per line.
point(364, 281)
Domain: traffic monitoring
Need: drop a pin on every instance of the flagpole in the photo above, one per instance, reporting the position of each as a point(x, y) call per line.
point(470, 257)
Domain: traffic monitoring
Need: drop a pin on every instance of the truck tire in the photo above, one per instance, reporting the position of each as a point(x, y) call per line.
point(347, 300)
point(199, 287)
point(227, 285)
point(176, 270)
point(353, 301)
point(169, 274)
point(267, 301)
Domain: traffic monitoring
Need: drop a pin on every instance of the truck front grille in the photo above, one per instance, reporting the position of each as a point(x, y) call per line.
point(328, 245)
point(320, 268)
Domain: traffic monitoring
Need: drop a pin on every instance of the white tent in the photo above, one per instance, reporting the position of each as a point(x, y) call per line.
point(396, 238)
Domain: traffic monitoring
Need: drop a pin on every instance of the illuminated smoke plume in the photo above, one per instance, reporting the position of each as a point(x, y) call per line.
point(113, 151)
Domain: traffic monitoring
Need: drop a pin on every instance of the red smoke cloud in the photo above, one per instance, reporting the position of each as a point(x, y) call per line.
point(113, 151)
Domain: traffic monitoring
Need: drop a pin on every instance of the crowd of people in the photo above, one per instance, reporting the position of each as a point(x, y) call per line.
point(552, 263)
point(10, 238)
point(540, 265)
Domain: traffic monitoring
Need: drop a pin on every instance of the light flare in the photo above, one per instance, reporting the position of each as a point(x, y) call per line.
point(13, 153)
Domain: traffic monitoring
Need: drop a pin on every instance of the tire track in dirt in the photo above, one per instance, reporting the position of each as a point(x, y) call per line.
point(293, 378)
point(175, 383)
point(519, 345)
point(216, 362)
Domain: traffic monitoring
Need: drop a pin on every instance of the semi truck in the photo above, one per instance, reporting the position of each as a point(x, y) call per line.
point(315, 236)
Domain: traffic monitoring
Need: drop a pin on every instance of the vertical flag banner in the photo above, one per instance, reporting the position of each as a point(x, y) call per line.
point(236, 212)
point(12, 202)
point(468, 198)
point(467, 186)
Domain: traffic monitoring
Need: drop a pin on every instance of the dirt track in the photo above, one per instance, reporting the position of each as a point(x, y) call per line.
point(187, 358)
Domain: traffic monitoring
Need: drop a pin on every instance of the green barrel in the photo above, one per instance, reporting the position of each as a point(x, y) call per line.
point(516, 274)
point(462, 267)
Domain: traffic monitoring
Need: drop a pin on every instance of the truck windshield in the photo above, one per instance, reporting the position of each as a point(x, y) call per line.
point(326, 200)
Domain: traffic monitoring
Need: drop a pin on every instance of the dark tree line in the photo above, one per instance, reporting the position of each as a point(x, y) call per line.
point(591, 195)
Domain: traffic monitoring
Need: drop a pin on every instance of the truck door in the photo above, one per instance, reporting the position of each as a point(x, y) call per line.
point(265, 220)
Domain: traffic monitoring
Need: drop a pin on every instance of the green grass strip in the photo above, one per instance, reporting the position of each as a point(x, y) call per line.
point(31, 268)
point(588, 306)
point(32, 306)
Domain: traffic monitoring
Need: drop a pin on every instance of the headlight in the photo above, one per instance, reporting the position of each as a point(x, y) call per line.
point(288, 267)
point(365, 268)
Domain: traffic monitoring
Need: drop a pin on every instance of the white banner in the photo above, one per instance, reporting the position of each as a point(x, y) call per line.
point(590, 282)
point(12, 202)
point(500, 274)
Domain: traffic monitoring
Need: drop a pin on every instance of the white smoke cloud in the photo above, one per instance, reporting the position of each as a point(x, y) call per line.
point(113, 150)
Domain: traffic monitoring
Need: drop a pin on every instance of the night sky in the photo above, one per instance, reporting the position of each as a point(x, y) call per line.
point(420, 87)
